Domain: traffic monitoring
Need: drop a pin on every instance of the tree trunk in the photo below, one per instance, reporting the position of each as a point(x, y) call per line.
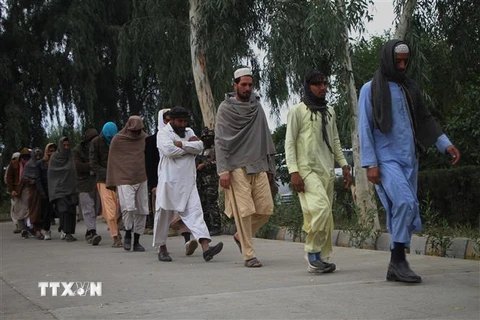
point(363, 193)
point(405, 19)
point(199, 67)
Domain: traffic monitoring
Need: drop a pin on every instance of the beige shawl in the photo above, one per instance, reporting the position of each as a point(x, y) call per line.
point(126, 156)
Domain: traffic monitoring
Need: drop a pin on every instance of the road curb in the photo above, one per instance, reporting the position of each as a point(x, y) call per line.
point(459, 248)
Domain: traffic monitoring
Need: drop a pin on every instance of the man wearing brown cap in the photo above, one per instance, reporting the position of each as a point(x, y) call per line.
point(395, 126)
point(245, 157)
point(176, 190)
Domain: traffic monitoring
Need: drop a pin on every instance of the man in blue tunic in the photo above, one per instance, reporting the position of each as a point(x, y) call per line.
point(394, 127)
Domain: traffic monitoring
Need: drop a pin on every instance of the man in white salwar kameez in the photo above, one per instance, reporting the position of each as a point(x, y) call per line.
point(176, 189)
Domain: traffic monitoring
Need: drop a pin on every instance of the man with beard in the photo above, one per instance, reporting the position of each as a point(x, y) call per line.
point(245, 159)
point(394, 127)
point(312, 146)
point(126, 173)
point(86, 187)
point(207, 183)
point(176, 188)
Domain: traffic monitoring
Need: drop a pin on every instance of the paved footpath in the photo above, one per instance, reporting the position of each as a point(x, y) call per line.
point(138, 286)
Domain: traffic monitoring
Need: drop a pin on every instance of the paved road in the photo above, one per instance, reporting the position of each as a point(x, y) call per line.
point(137, 285)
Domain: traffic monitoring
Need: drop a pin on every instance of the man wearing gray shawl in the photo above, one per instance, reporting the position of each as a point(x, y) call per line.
point(62, 188)
point(245, 157)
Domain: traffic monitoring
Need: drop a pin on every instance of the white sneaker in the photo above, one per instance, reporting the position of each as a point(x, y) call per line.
point(190, 247)
point(48, 235)
point(62, 235)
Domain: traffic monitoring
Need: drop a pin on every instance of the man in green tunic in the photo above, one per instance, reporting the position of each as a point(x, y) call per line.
point(312, 146)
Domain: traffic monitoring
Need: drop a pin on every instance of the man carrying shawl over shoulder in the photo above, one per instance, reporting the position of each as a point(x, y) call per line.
point(245, 160)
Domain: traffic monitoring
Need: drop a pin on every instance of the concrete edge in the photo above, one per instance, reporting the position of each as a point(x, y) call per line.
point(458, 248)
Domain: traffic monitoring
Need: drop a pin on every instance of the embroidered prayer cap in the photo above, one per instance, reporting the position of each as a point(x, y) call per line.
point(242, 72)
point(179, 113)
point(401, 48)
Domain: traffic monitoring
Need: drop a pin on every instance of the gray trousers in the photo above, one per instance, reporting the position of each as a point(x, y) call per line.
point(134, 206)
point(87, 206)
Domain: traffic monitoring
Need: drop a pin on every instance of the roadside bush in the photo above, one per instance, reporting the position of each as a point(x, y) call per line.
point(454, 193)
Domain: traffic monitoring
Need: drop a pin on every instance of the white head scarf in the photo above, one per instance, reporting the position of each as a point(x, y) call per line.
point(160, 124)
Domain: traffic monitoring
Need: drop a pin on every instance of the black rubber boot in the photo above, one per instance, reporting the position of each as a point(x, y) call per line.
point(136, 243)
point(127, 242)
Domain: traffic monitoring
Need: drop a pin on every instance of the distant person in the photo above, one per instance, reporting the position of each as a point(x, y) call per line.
point(151, 165)
point(16, 229)
point(207, 183)
point(127, 175)
point(176, 189)
point(62, 189)
point(395, 126)
point(47, 210)
point(245, 162)
point(86, 186)
point(28, 181)
point(15, 188)
point(312, 147)
point(98, 159)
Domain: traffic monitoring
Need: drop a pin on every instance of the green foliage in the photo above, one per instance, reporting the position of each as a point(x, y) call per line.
point(436, 228)
point(74, 135)
point(303, 35)
point(278, 137)
point(454, 193)
point(287, 215)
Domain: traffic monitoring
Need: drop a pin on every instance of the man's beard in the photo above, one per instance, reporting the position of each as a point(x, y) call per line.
point(244, 97)
point(179, 131)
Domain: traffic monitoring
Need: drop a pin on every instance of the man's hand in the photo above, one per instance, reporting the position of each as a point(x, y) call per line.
point(297, 182)
point(225, 180)
point(347, 176)
point(14, 194)
point(201, 166)
point(454, 154)
point(194, 138)
point(178, 143)
point(373, 175)
point(154, 190)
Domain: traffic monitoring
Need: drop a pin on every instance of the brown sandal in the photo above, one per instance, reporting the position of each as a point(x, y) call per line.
point(253, 263)
point(117, 242)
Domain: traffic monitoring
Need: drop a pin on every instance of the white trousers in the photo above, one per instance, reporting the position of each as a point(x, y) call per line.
point(133, 201)
point(192, 217)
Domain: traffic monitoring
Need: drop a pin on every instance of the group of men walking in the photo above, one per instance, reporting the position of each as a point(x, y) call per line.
point(394, 127)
